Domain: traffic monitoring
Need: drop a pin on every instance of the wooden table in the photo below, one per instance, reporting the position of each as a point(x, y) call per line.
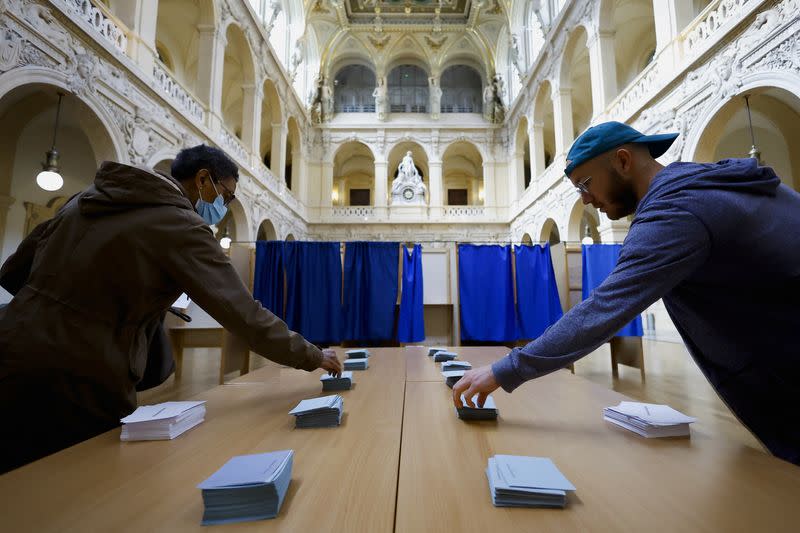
point(203, 332)
point(358, 477)
point(624, 482)
point(343, 479)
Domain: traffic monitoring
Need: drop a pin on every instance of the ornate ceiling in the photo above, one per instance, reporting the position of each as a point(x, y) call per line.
point(393, 11)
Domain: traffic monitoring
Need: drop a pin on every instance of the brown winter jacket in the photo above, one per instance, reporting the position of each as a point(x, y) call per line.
point(92, 284)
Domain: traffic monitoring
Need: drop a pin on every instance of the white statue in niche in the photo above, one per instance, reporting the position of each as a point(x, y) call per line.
point(407, 187)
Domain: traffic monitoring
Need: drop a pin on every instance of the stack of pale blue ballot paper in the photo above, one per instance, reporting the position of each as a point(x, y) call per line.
point(248, 487)
point(451, 377)
point(487, 412)
point(356, 364)
point(519, 481)
point(649, 419)
point(324, 412)
point(442, 356)
point(456, 365)
point(332, 383)
point(434, 351)
point(360, 353)
point(163, 421)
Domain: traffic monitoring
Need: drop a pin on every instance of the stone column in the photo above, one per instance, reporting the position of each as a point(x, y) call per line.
point(562, 112)
point(612, 231)
point(381, 187)
point(277, 159)
point(141, 17)
point(671, 17)
point(603, 69)
point(211, 47)
point(251, 120)
point(435, 189)
point(537, 150)
point(326, 189)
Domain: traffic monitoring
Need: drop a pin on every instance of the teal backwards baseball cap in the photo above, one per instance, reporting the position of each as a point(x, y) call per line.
point(609, 135)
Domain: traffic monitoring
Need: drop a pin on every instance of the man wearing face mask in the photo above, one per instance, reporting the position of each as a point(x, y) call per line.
point(720, 243)
point(91, 287)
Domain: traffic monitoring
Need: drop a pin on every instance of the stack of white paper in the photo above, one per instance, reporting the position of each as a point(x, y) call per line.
point(519, 481)
point(433, 351)
point(361, 353)
point(331, 383)
point(248, 487)
point(324, 412)
point(487, 412)
point(451, 377)
point(456, 365)
point(442, 356)
point(649, 419)
point(356, 364)
point(163, 421)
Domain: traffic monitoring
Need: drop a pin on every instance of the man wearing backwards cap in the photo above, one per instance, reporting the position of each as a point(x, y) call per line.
point(720, 243)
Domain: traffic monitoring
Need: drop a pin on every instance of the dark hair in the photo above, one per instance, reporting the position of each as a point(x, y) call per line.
point(191, 160)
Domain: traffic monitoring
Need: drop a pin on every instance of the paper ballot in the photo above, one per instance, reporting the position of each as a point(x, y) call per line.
point(332, 383)
point(247, 487)
point(456, 365)
point(451, 377)
point(487, 412)
point(519, 481)
point(439, 357)
point(434, 351)
point(356, 364)
point(649, 419)
point(361, 353)
point(162, 421)
point(182, 302)
point(319, 412)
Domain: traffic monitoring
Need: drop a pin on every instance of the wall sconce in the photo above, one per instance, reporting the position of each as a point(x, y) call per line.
point(480, 194)
point(755, 153)
point(587, 239)
point(49, 179)
point(335, 196)
point(226, 240)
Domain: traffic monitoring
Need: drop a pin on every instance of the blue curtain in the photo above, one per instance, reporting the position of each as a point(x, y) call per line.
point(268, 277)
point(411, 324)
point(486, 293)
point(599, 261)
point(370, 290)
point(314, 290)
point(538, 304)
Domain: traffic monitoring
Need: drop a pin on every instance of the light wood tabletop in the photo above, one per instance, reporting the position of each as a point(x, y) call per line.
point(358, 477)
point(624, 482)
point(343, 479)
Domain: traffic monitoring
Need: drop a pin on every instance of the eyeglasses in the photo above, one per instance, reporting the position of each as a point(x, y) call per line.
point(228, 197)
point(582, 186)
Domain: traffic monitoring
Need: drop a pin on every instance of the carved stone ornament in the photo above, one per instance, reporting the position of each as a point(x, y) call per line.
point(11, 46)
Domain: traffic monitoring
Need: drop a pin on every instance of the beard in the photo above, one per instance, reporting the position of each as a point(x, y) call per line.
point(623, 197)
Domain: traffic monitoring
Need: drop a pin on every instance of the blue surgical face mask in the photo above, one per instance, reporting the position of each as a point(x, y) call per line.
point(211, 212)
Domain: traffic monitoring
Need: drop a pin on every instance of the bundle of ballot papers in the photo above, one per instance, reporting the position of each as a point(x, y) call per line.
point(248, 487)
point(343, 382)
point(451, 377)
point(649, 419)
point(324, 412)
point(456, 365)
point(361, 353)
point(487, 412)
point(440, 357)
point(162, 421)
point(356, 364)
point(434, 351)
point(519, 481)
